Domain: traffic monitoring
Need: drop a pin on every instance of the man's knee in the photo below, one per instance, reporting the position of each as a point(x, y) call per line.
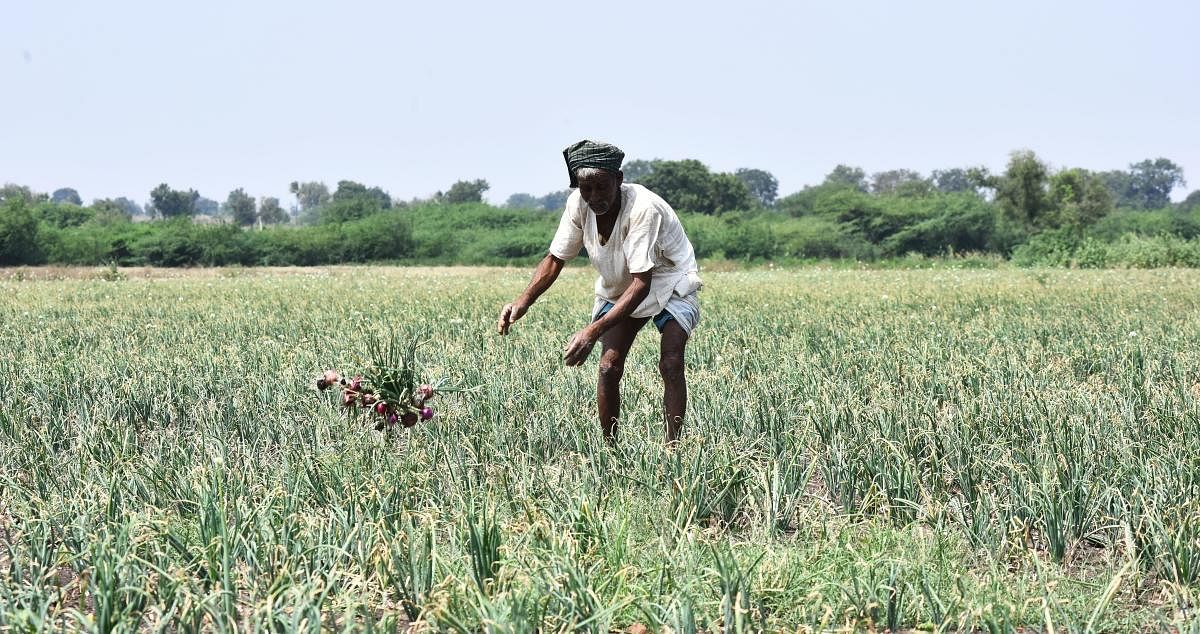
point(612, 366)
point(671, 366)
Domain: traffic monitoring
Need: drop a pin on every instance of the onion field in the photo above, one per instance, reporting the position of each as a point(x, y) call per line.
point(932, 450)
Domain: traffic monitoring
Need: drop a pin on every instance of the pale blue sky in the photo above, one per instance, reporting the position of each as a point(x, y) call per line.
point(114, 97)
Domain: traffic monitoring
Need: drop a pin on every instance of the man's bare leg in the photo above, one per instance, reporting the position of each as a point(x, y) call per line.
point(670, 365)
point(616, 344)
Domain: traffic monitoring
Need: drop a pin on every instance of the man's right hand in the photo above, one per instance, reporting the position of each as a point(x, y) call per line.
point(509, 314)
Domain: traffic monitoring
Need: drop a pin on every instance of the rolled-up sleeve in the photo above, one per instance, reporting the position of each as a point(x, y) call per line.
point(568, 240)
point(642, 240)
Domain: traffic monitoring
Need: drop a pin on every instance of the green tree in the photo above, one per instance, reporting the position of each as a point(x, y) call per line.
point(466, 192)
point(171, 203)
point(348, 210)
point(126, 205)
point(762, 185)
point(1120, 185)
point(900, 182)
point(683, 184)
point(865, 213)
point(953, 181)
point(554, 201)
point(522, 201)
point(1023, 191)
point(12, 191)
point(1152, 181)
point(821, 199)
point(66, 195)
point(18, 232)
point(239, 206)
point(939, 224)
point(1079, 198)
point(637, 170)
point(727, 192)
point(206, 207)
point(63, 215)
point(688, 185)
point(352, 201)
point(309, 195)
point(1147, 185)
point(811, 199)
point(350, 190)
point(847, 176)
point(111, 211)
point(270, 212)
point(1191, 203)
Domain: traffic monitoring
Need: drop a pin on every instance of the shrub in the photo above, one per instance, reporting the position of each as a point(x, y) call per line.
point(170, 245)
point(63, 215)
point(385, 236)
point(223, 245)
point(1092, 254)
point(748, 236)
point(1155, 251)
point(1049, 248)
point(820, 238)
point(476, 233)
point(18, 234)
point(348, 209)
point(952, 222)
point(297, 246)
point(706, 233)
point(1185, 225)
point(180, 243)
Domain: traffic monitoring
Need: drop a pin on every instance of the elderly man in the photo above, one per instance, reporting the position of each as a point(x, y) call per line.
point(647, 272)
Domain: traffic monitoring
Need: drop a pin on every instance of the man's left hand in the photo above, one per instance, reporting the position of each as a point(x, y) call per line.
point(579, 347)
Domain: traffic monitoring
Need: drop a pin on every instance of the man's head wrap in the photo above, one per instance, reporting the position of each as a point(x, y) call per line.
point(591, 154)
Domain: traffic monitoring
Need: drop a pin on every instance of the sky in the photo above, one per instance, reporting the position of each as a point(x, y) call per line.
point(113, 98)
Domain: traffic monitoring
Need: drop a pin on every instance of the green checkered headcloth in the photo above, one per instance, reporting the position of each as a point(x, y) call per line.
point(591, 154)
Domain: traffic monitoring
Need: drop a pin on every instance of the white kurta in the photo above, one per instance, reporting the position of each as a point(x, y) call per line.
point(647, 236)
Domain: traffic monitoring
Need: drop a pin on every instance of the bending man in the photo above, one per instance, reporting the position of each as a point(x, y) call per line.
point(647, 272)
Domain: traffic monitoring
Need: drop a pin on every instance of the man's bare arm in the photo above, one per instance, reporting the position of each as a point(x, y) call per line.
point(633, 296)
point(581, 343)
point(543, 276)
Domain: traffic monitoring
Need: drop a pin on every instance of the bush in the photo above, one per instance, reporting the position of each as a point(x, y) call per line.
point(444, 246)
point(1049, 248)
point(517, 247)
point(748, 236)
point(1062, 248)
point(827, 199)
point(1154, 252)
point(479, 234)
point(179, 242)
point(952, 222)
point(1092, 254)
point(385, 236)
point(476, 233)
point(170, 245)
point(223, 245)
point(71, 247)
point(62, 215)
point(1006, 236)
point(18, 234)
point(297, 246)
point(1185, 225)
point(706, 233)
point(820, 238)
point(348, 209)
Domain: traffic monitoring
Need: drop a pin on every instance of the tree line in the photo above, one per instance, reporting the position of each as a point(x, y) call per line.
point(1029, 208)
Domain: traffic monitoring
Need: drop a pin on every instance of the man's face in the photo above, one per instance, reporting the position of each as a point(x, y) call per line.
point(601, 190)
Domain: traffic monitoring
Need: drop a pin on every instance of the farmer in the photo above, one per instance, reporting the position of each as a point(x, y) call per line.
point(647, 272)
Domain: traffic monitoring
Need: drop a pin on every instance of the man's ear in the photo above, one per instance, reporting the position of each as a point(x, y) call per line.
point(620, 177)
